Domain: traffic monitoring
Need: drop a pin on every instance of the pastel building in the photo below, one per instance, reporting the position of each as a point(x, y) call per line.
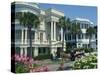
point(47, 38)
point(81, 40)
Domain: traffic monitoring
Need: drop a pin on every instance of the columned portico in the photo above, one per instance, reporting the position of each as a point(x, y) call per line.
point(50, 32)
point(53, 30)
point(53, 37)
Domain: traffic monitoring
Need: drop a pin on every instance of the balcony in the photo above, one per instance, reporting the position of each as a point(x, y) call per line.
point(36, 43)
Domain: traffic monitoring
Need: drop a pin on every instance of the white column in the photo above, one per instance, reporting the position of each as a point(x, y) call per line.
point(61, 34)
point(51, 30)
point(25, 36)
point(36, 36)
point(64, 44)
point(21, 51)
point(64, 48)
point(25, 51)
point(53, 51)
point(54, 30)
point(36, 51)
point(22, 35)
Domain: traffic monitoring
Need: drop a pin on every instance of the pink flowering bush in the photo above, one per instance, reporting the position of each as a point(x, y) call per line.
point(27, 64)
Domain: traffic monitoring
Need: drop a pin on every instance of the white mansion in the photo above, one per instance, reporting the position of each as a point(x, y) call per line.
point(47, 38)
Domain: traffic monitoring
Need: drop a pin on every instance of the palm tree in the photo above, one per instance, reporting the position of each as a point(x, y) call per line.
point(75, 29)
point(28, 20)
point(65, 25)
point(90, 31)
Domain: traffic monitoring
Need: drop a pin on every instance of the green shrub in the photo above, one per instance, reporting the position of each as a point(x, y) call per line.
point(21, 68)
point(87, 62)
point(86, 50)
point(42, 57)
point(68, 50)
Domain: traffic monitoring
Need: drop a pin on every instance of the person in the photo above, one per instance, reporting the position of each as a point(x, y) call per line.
point(51, 56)
point(72, 55)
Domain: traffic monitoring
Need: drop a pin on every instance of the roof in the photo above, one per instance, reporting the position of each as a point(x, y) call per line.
point(84, 19)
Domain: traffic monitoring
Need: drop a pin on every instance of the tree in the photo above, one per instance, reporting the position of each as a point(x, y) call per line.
point(90, 31)
point(65, 25)
point(75, 29)
point(28, 20)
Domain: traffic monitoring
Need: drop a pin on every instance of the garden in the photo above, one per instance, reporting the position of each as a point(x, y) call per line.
point(24, 64)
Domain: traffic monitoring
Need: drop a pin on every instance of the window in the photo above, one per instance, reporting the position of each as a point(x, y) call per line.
point(85, 45)
point(69, 37)
point(32, 34)
point(43, 50)
point(24, 35)
point(30, 52)
point(79, 36)
point(23, 51)
point(82, 36)
point(86, 36)
point(73, 36)
point(17, 50)
point(65, 36)
point(18, 35)
point(82, 26)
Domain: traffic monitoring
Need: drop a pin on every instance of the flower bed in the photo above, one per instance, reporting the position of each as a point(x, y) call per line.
point(28, 64)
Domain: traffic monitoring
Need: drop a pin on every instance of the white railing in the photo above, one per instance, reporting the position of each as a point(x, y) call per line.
point(36, 42)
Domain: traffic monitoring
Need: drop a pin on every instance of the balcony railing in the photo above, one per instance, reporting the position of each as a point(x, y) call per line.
point(35, 42)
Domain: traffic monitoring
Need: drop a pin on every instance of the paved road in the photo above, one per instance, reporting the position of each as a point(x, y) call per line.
point(53, 66)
